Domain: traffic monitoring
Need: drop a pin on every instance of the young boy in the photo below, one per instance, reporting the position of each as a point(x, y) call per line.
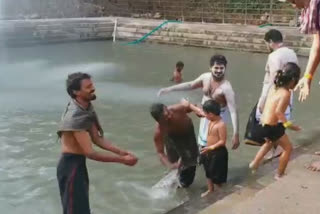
point(177, 74)
point(214, 156)
point(273, 119)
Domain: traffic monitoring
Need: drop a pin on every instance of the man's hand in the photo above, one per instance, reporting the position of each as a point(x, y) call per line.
point(206, 150)
point(235, 141)
point(162, 91)
point(124, 153)
point(304, 87)
point(130, 160)
point(175, 165)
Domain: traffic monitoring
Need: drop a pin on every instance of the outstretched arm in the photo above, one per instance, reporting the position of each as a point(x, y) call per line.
point(105, 144)
point(231, 103)
point(84, 140)
point(192, 108)
point(197, 83)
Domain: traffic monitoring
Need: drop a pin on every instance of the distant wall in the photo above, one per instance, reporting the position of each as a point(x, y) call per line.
point(223, 36)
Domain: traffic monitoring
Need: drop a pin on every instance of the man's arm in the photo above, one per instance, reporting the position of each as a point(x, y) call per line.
point(231, 103)
point(105, 143)
point(313, 62)
point(197, 83)
point(84, 140)
point(314, 57)
point(158, 142)
point(192, 108)
point(268, 82)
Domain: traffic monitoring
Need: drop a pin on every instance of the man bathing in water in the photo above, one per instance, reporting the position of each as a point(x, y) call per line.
point(177, 74)
point(273, 119)
point(78, 129)
point(214, 155)
point(175, 140)
point(216, 87)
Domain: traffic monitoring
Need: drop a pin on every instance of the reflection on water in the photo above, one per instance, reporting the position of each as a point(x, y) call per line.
point(33, 96)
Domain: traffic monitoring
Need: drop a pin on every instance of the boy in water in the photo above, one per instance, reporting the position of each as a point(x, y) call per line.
point(177, 74)
point(273, 119)
point(214, 155)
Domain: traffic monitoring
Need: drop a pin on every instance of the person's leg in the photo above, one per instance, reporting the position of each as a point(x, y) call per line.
point(62, 182)
point(285, 144)
point(80, 192)
point(265, 148)
point(210, 188)
point(274, 153)
point(186, 176)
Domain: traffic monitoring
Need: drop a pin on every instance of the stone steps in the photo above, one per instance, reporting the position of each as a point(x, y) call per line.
point(232, 37)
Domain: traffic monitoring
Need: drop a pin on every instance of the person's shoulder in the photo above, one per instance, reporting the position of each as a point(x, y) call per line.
point(221, 124)
point(284, 92)
point(205, 75)
point(226, 84)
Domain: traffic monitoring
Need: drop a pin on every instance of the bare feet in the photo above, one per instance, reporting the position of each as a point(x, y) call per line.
point(315, 166)
point(206, 193)
point(317, 153)
point(278, 177)
point(253, 168)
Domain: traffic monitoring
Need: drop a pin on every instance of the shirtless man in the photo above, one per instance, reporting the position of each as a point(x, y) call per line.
point(216, 87)
point(175, 140)
point(78, 129)
point(177, 73)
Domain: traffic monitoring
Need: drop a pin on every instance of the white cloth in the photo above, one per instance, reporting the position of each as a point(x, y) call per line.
point(276, 61)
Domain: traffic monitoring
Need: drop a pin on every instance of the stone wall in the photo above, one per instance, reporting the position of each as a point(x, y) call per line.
point(223, 36)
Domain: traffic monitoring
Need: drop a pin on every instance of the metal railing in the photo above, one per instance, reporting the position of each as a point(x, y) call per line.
point(255, 12)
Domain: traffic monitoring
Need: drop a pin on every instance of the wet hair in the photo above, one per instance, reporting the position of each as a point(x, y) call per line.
point(218, 59)
point(73, 82)
point(156, 111)
point(291, 71)
point(211, 106)
point(274, 36)
point(179, 64)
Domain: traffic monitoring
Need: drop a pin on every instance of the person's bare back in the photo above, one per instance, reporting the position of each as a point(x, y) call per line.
point(180, 121)
point(69, 144)
point(277, 101)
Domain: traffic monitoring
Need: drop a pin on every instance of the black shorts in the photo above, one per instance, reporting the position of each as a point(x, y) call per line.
point(215, 164)
point(73, 182)
point(187, 175)
point(274, 132)
point(256, 134)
